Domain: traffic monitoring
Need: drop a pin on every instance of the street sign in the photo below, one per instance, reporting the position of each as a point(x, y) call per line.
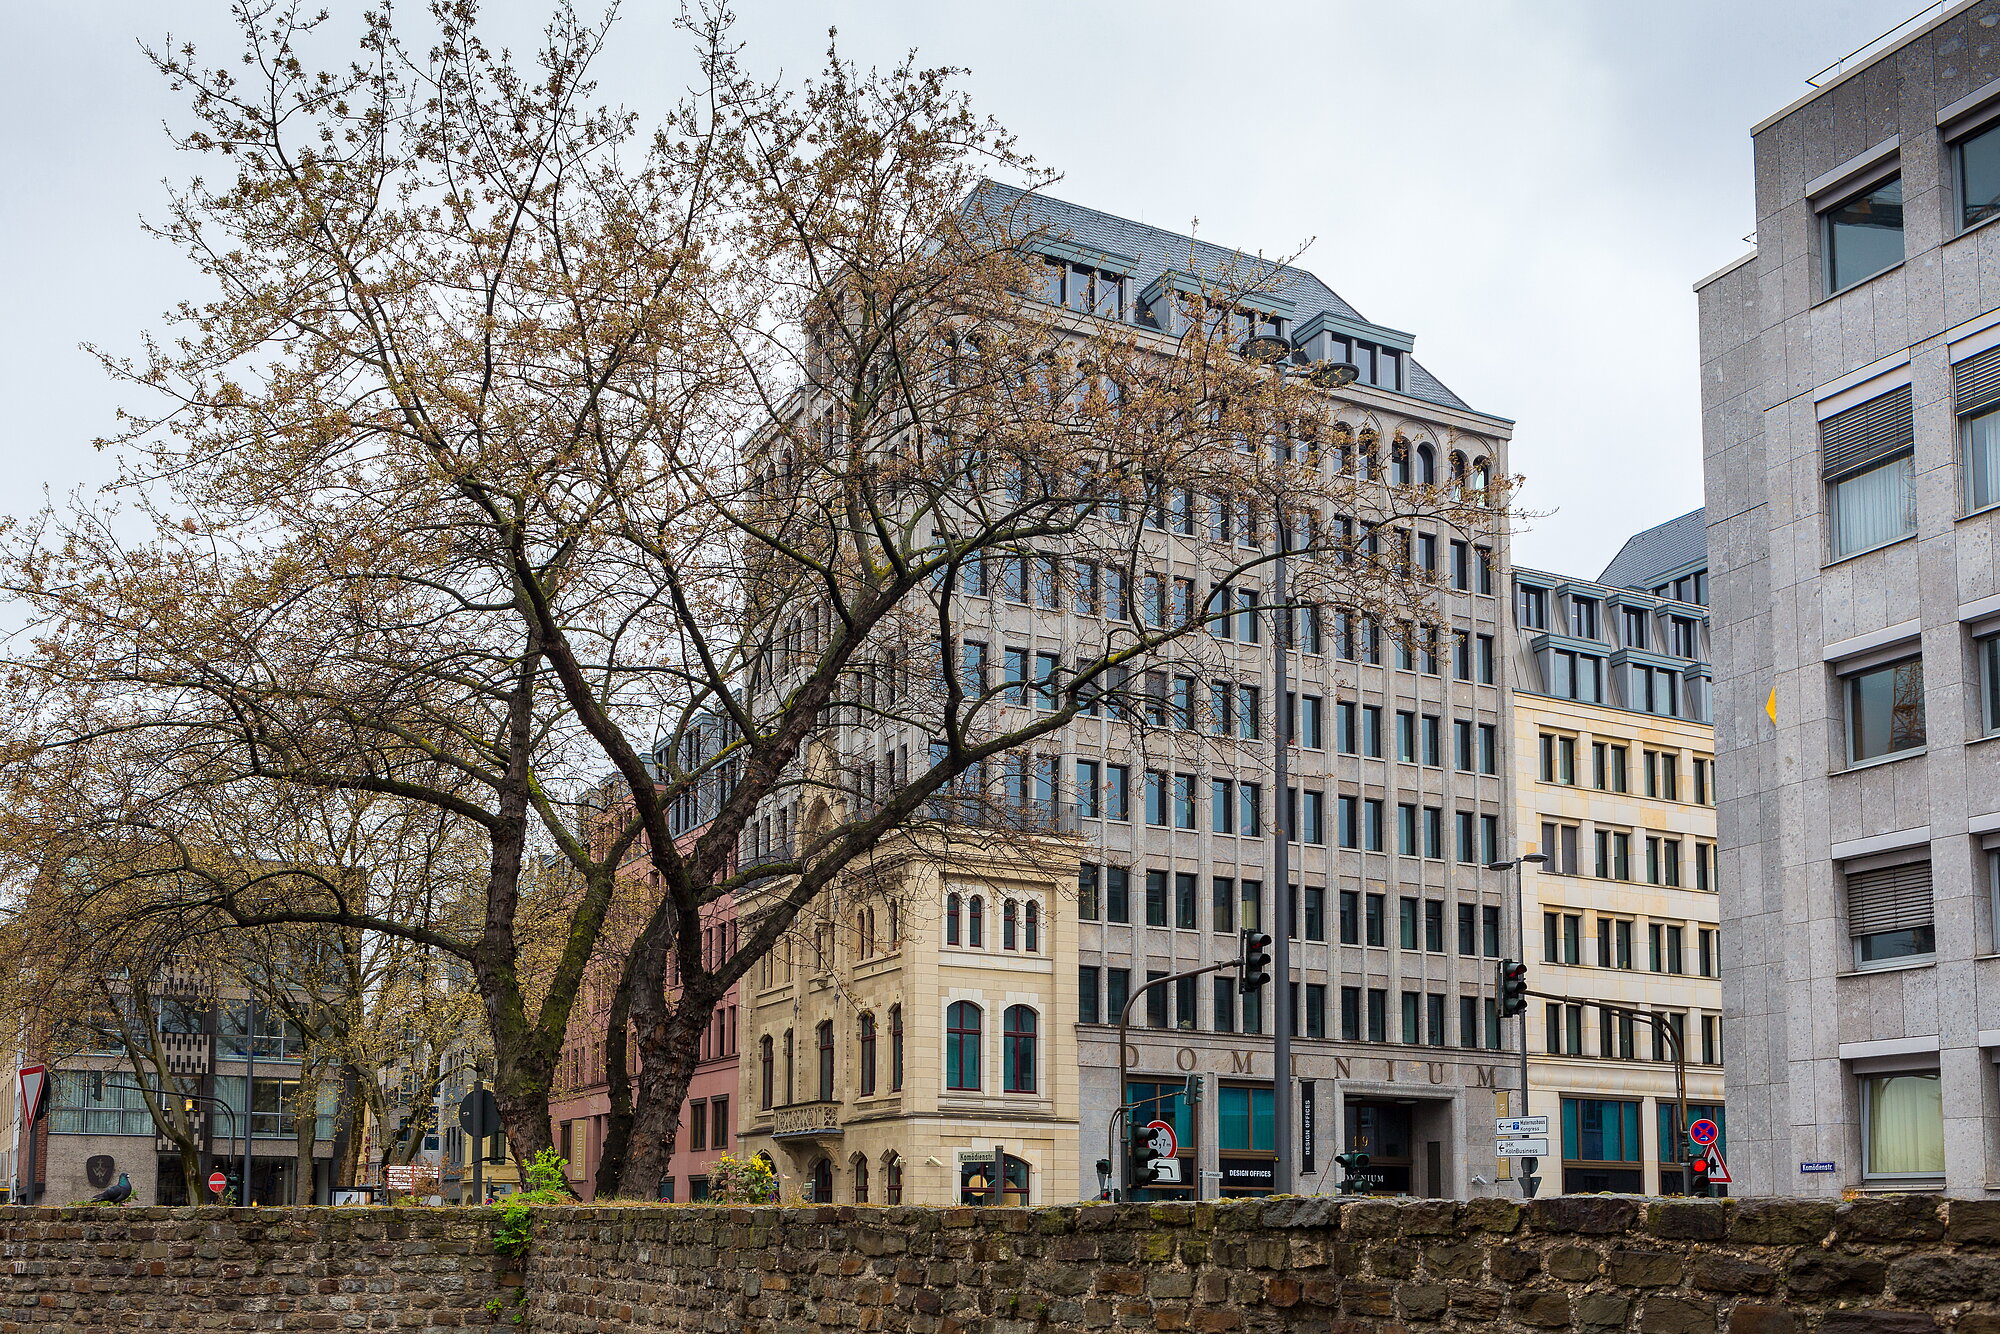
point(1703, 1132)
point(1521, 1125)
point(1165, 1143)
point(1718, 1171)
point(1167, 1172)
point(34, 1081)
point(1211, 1176)
point(217, 1183)
point(1819, 1167)
point(478, 1114)
point(1522, 1148)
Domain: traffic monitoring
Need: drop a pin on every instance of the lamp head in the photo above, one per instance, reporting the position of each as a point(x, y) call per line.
point(1333, 375)
point(1265, 349)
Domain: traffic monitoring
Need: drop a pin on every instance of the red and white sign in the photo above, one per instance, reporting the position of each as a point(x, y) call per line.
point(1718, 1171)
point(1165, 1142)
point(34, 1082)
point(217, 1183)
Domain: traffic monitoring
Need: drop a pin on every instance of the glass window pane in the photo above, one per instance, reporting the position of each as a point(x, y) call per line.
point(1905, 1125)
point(1982, 460)
point(1885, 710)
point(1979, 177)
point(1874, 507)
point(1864, 235)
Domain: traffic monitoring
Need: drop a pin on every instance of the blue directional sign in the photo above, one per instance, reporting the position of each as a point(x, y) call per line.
point(1704, 1132)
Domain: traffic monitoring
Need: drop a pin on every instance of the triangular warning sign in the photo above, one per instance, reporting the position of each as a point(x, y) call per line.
point(1718, 1171)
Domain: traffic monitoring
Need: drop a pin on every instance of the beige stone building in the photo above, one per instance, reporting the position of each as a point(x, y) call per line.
point(1615, 785)
point(921, 1016)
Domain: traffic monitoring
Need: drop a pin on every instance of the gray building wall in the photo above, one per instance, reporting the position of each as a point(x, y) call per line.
point(1804, 1025)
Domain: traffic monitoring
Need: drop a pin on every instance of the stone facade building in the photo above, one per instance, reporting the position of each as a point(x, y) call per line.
point(1851, 365)
point(1615, 784)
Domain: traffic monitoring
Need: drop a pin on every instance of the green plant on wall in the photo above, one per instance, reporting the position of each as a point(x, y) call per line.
point(548, 1183)
point(734, 1180)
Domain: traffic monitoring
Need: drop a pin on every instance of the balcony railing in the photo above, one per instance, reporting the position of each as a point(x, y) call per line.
point(806, 1120)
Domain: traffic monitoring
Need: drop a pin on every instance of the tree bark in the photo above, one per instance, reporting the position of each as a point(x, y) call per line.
point(618, 1124)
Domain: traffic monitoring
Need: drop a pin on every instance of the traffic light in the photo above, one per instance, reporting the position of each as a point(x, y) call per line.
point(1143, 1161)
point(1513, 988)
point(1256, 961)
point(1698, 1176)
point(1351, 1165)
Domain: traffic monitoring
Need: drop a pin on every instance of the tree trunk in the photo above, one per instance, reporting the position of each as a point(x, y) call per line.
point(669, 1048)
point(618, 1124)
point(353, 1126)
point(305, 1128)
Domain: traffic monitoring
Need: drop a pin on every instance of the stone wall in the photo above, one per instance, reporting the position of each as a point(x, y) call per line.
point(1891, 1265)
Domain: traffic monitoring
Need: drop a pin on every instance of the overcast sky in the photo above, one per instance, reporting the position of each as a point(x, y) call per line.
point(1530, 186)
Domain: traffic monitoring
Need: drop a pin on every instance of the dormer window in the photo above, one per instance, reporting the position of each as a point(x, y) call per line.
point(1085, 290)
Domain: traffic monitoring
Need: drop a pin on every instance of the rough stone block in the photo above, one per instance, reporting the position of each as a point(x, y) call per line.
point(1931, 1279)
point(1677, 1315)
point(1782, 1222)
point(1878, 1322)
point(1748, 1318)
point(1596, 1214)
point(1894, 1218)
point(1643, 1269)
point(1973, 1222)
point(1689, 1220)
point(1729, 1273)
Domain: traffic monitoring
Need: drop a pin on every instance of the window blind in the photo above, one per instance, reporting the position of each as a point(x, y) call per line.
point(1975, 382)
point(1866, 433)
point(1892, 898)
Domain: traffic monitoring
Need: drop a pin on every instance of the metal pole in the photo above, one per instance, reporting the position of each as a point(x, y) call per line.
point(28, 1186)
point(1521, 955)
point(249, 1089)
point(478, 1140)
point(1281, 892)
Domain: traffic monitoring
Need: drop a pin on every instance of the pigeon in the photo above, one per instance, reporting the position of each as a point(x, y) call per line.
point(117, 1192)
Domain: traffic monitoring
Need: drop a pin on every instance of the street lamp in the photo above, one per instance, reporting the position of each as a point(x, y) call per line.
point(1528, 1165)
point(1272, 351)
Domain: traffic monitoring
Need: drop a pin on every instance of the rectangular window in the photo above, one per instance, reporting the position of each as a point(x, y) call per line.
point(1979, 458)
point(1117, 792)
point(1885, 709)
point(1086, 892)
point(1156, 898)
point(1632, 626)
point(1489, 749)
point(1156, 1000)
point(1407, 924)
point(1902, 1126)
point(1863, 235)
point(1249, 809)
point(1434, 1020)
point(1464, 824)
point(1406, 829)
point(1489, 931)
point(1350, 1014)
point(1117, 894)
point(1224, 1007)
point(1371, 731)
point(1413, 1032)
point(1559, 846)
point(1371, 824)
point(1222, 903)
point(1976, 159)
point(1434, 926)
point(1156, 798)
point(1221, 806)
point(1889, 913)
point(1433, 832)
point(1532, 608)
point(1378, 1015)
point(1088, 1000)
point(1406, 737)
point(1350, 916)
point(1089, 793)
point(1183, 801)
point(1315, 912)
point(1375, 918)
point(1184, 899)
point(1117, 992)
point(1870, 479)
point(1315, 1015)
point(1583, 617)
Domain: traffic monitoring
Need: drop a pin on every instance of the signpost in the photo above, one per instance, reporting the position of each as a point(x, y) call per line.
point(1507, 1126)
point(1718, 1171)
point(1704, 1132)
point(34, 1092)
point(1819, 1167)
point(217, 1183)
point(1307, 1126)
point(479, 1118)
point(1522, 1148)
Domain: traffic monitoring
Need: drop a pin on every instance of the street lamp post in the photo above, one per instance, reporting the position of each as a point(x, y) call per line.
point(1273, 351)
point(1528, 1165)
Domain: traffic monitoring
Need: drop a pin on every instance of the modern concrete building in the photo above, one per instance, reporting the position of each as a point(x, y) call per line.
point(1614, 783)
point(1398, 777)
point(1850, 368)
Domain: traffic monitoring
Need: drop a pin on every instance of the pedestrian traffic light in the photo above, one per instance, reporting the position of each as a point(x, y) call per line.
point(1513, 988)
point(1351, 1166)
point(1143, 1161)
point(1698, 1176)
point(1256, 961)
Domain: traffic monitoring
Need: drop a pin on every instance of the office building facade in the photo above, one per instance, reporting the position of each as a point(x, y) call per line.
point(1614, 785)
point(1851, 366)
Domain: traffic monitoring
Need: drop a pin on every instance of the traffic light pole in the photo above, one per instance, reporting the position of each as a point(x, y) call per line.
point(1659, 1025)
point(1119, 1159)
point(1280, 929)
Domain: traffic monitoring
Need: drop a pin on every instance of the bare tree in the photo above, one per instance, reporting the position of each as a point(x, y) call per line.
point(521, 446)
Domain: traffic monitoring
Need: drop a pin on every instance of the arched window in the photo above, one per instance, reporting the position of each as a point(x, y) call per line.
point(1457, 465)
point(1480, 478)
point(790, 1068)
point(867, 1055)
point(1399, 463)
point(951, 919)
point(1010, 925)
point(860, 1169)
point(822, 1181)
point(1031, 935)
point(825, 1036)
point(975, 923)
point(895, 924)
point(895, 1048)
point(765, 1066)
point(1018, 1049)
point(961, 1045)
point(863, 938)
point(1426, 466)
point(892, 1179)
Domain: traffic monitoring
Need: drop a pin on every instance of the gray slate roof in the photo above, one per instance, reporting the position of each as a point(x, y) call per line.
point(1159, 250)
point(1647, 558)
